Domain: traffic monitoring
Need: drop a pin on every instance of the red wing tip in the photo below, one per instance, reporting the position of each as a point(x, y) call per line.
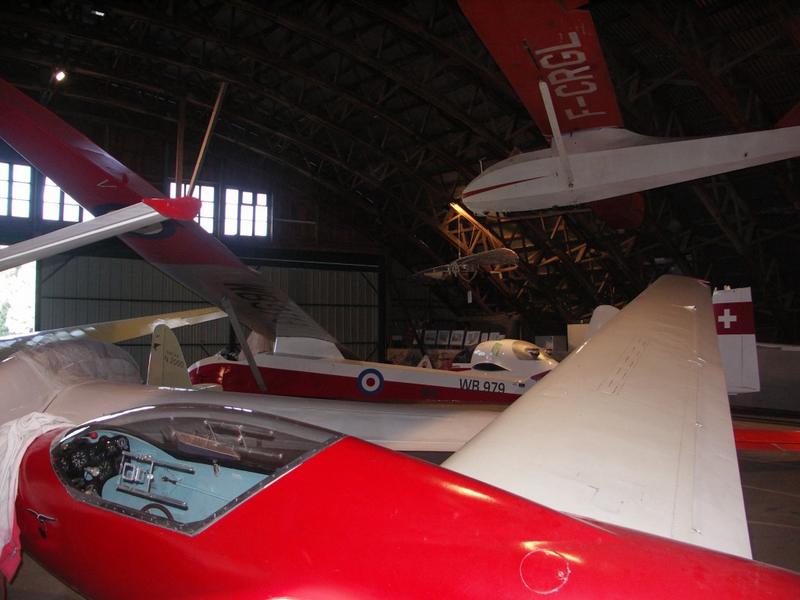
point(183, 208)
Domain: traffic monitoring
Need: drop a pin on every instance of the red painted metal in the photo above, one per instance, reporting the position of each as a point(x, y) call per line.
point(792, 117)
point(621, 212)
point(770, 440)
point(184, 208)
point(533, 40)
point(734, 318)
point(359, 521)
point(285, 382)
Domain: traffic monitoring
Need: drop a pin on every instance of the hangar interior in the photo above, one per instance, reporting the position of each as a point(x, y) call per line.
point(361, 123)
point(344, 136)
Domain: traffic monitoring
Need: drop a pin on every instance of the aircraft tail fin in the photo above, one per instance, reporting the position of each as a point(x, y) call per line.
point(601, 315)
point(733, 312)
point(425, 363)
point(166, 366)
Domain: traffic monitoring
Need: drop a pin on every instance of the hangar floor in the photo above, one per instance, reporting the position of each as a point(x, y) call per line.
point(771, 493)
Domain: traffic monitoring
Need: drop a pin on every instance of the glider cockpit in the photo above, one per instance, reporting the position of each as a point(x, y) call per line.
point(180, 466)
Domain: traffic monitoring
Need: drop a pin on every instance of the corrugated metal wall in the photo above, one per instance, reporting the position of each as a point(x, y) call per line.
point(346, 303)
point(77, 290)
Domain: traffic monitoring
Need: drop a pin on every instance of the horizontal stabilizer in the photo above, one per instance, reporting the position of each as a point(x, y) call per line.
point(131, 218)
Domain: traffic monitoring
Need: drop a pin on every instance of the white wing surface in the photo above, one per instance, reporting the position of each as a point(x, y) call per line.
point(109, 331)
point(633, 428)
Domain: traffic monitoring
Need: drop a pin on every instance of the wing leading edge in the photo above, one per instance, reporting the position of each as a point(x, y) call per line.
point(632, 429)
point(181, 249)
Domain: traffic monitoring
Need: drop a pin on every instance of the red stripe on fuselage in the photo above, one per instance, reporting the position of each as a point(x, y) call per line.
point(284, 382)
point(498, 186)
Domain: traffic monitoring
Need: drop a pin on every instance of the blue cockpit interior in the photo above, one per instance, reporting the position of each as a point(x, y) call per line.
point(190, 491)
point(180, 466)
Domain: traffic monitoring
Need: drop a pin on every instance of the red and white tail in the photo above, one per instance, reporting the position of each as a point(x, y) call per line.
point(733, 312)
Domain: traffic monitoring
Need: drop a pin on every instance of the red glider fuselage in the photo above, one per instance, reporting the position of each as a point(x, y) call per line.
point(355, 520)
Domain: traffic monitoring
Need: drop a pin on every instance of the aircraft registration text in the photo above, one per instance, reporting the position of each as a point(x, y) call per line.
point(482, 386)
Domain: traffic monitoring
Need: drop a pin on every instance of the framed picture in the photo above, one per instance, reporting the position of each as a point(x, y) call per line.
point(457, 338)
point(473, 337)
point(444, 337)
point(430, 337)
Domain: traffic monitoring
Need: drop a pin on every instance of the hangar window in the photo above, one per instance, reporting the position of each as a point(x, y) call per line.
point(206, 194)
point(15, 190)
point(247, 213)
point(60, 206)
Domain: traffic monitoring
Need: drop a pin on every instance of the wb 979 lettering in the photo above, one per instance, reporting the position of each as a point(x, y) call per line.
point(482, 386)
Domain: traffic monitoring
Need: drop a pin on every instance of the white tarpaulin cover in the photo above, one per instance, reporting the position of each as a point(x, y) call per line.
point(15, 437)
point(34, 375)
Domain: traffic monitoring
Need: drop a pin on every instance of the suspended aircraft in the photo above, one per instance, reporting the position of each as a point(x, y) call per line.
point(497, 260)
point(631, 435)
point(550, 53)
point(304, 359)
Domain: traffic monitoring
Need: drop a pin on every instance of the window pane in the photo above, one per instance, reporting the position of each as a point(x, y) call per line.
point(261, 229)
point(231, 196)
point(4, 172)
point(207, 224)
point(50, 211)
point(71, 214)
point(231, 227)
point(21, 191)
point(20, 208)
point(22, 173)
point(262, 200)
point(52, 195)
point(247, 197)
point(261, 221)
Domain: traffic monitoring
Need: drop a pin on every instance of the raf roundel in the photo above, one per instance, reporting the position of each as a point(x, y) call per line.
point(370, 381)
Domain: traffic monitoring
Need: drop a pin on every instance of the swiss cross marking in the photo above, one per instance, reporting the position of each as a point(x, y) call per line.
point(726, 318)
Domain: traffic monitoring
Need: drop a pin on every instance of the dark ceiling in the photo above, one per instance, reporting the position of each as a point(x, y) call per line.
point(387, 109)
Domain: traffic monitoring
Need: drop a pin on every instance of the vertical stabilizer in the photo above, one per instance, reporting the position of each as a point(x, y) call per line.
point(733, 312)
point(167, 367)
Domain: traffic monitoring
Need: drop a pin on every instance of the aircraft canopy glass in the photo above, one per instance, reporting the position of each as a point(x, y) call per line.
point(181, 466)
